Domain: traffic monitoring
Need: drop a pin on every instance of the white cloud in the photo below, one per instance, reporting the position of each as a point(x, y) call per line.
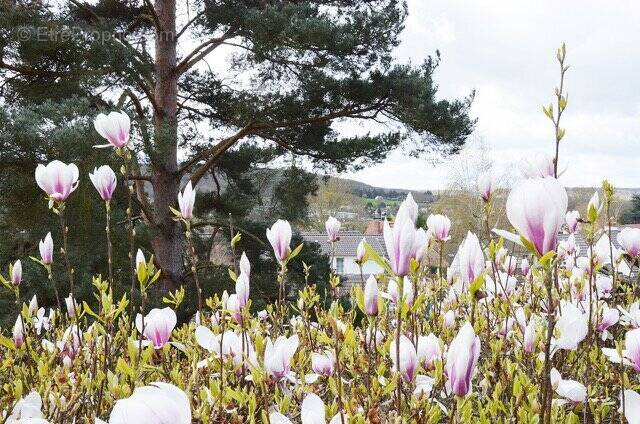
point(505, 50)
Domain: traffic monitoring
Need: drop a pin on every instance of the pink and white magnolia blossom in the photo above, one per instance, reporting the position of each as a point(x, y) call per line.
point(18, 332)
point(408, 209)
point(399, 242)
point(311, 412)
point(609, 317)
point(629, 239)
point(429, 351)
point(525, 266)
point(371, 296)
point(462, 358)
point(46, 249)
point(186, 199)
point(279, 235)
point(408, 358)
point(530, 335)
point(245, 265)
point(157, 326)
point(420, 244)
point(332, 225)
point(361, 251)
point(630, 353)
point(486, 186)
point(408, 294)
point(604, 286)
point(631, 404)
point(105, 181)
point(572, 326)
point(440, 225)
point(242, 289)
point(278, 355)
point(631, 317)
point(570, 390)
point(469, 260)
point(157, 403)
point(57, 179)
point(536, 208)
point(16, 273)
point(114, 127)
point(323, 364)
point(27, 410)
point(572, 219)
point(539, 165)
point(449, 319)
point(72, 306)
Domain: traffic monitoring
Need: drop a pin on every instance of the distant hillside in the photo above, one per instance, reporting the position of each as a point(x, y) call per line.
point(364, 190)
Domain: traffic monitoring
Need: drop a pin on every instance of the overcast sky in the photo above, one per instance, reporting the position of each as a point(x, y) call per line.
point(506, 51)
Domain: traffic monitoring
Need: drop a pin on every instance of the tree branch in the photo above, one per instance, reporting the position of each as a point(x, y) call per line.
point(200, 52)
point(184, 28)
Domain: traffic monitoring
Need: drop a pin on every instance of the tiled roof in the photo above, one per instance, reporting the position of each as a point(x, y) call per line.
point(347, 245)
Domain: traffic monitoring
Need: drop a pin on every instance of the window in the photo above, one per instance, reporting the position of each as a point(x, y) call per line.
point(340, 266)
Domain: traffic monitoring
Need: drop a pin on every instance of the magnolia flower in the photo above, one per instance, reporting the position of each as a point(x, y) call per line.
point(333, 228)
point(46, 249)
point(632, 316)
point(16, 273)
point(536, 208)
point(278, 355)
point(571, 390)
point(439, 226)
point(140, 260)
point(629, 239)
point(393, 293)
point(371, 296)
point(233, 306)
point(462, 358)
point(245, 265)
point(630, 353)
point(242, 289)
point(33, 305)
point(311, 412)
point(420, 244)
point(610, 316)
point(186, 199)
point(486, 186)
point(71, 305)
point(279, 235)
point(469, 260)
point(69, 345)
point(525, 266)
point(604, 285)
point(429, 350)
point(631, 406)
point(18, 332)
point(408, 294)
point(104, 180)
point(157, 403)
point(399, 242)
point(361, 251)
point(40, 321)
point(450, 319)
point(157, 326)
point(568, 246)
point(594, 207)
point(530, 335)
point(572, 219)
point(323, 364)
point(368, 337)
point(505, 286)
point(28, 410)
point(540, 165)
point(408, 209)
point(114, 127)
point(572, 326)
point(57, 179)
point(408, 358)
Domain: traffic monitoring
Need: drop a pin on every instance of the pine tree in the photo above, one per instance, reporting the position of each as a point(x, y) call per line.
point(296, 67)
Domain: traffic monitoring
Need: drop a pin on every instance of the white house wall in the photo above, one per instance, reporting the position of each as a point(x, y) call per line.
point(351, 267)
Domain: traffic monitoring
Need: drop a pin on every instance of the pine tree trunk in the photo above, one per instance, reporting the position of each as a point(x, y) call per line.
point(168, 238)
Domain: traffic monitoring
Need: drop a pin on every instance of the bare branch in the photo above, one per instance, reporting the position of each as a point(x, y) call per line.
point(200, 52)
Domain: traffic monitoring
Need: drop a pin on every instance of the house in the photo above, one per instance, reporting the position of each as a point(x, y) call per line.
point(343, 254)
